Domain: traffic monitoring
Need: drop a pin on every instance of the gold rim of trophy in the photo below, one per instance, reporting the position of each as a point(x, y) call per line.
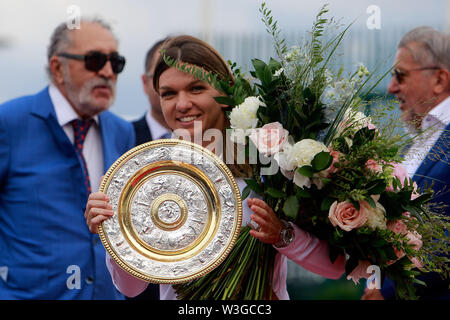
point(187, 171)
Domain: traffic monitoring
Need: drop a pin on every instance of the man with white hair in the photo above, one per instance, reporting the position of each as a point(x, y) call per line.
point(54, 148)
point(421, 83)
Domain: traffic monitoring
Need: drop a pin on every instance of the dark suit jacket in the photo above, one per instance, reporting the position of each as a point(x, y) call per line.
point(45, 243)
point(142, 131)
point(434, 169)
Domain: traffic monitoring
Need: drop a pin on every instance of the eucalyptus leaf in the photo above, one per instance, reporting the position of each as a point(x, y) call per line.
point(291, 207)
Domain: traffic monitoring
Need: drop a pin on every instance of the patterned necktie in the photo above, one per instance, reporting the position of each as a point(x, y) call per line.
point(80, 128)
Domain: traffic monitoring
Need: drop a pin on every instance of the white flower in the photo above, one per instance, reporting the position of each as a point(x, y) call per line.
point(244, 116)
point(301, 181)
point(278, 72)
point(292, 54)
point(296, 156)
point(304, 151)
point(376, 217)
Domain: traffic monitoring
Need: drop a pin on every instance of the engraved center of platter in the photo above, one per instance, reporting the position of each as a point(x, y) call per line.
point(169, 213)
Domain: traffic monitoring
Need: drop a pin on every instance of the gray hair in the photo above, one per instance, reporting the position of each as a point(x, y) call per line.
point(61, 40)
point(433, 46)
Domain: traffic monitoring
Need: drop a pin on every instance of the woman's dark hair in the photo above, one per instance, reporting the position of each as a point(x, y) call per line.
point(191, 50)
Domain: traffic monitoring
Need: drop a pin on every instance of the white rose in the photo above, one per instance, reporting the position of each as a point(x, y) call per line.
point(304, 151)
point(244, 116)
point(296, 156)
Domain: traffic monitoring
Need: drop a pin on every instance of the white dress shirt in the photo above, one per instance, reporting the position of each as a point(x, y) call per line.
point(156, 129)
point(433, 125)
point(93, 145)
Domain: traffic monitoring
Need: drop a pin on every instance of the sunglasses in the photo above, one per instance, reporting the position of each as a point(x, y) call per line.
point(400, 75)
point(95, 60)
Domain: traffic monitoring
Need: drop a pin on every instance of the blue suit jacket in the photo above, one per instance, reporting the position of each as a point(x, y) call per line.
point(45, 244)
point(434, 169)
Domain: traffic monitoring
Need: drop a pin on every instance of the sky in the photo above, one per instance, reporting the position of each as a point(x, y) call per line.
point(26, 26)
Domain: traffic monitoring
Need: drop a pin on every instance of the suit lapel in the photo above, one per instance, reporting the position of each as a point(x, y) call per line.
point(107, 140)
point(43, 108)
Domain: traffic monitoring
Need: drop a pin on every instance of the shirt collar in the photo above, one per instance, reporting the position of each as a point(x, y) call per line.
point(64, 111)
point(441, 112)
point(156, 128)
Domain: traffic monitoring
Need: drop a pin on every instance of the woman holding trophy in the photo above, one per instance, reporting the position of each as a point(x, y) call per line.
point(188, 102)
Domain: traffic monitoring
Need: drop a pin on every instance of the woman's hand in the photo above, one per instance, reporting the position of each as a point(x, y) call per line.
point(98, 210)
point(269, 224)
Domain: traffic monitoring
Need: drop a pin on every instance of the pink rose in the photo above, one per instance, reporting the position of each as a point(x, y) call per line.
point(345, 215)
point(397, 226)
point(399, 172)
point(360, 271)
point(374, 166)
point(270, 138)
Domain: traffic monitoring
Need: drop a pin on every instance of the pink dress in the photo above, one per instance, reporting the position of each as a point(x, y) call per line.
point(306, 250)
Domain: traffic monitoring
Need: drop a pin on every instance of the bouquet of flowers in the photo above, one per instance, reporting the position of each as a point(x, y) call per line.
point(325, 165)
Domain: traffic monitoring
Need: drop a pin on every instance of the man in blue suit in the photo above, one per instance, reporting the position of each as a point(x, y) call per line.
point(421, 82)
point(54, 148)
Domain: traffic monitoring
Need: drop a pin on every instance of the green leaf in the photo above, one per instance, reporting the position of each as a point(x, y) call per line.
point(274, 193)
point(291, 207)
point(267, 76)
point(245, 193)
point(376, 186)
point(326, 203)
point(225, 100)
point(259, 66)
point(274, 65)
point(371, 202)
point(253, 184)
point(362, 136)
point(424, 198)
point(306, 171)
point(321, 161)
point(302, 193)
point(420, 282)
